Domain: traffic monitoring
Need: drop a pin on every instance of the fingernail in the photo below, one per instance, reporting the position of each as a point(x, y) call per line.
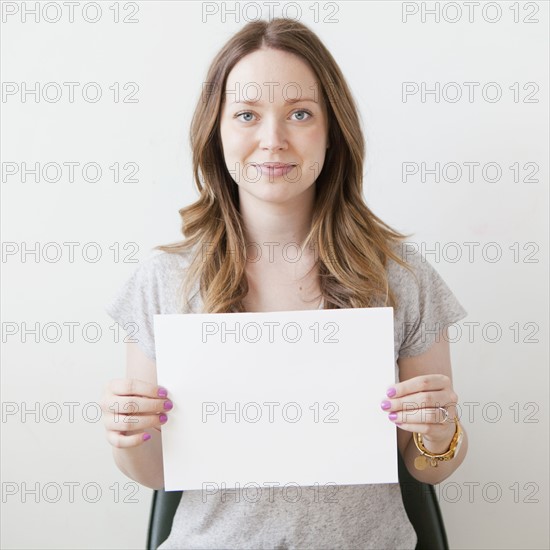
point(385, 404)
point(163, 418)
point(391, 392)
point(392, 416)
point(168, 405)
point(162, 392)
point(146, 436)
point(398, 423)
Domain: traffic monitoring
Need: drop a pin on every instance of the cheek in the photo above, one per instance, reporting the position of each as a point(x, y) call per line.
point(240, 139)
point(314, 152)
point(312, 143)
point(314, 134)
point(235, 142)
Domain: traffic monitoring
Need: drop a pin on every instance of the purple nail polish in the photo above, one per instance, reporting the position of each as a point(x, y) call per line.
point(385, 405)
point(168, 405)
point(146, 436)
point(391, 392)
point(163, 418)
point(162, 392)
point(392, 416)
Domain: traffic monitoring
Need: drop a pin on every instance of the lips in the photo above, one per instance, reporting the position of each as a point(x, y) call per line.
point(277, 164)
point(275, 169)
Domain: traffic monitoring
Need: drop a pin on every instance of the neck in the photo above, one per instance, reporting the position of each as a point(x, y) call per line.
point(276, 230)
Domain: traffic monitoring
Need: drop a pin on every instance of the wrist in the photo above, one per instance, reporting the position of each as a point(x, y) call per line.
point(439, 446)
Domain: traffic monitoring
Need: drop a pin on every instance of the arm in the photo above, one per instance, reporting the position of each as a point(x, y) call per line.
point(434, 361)
point(142, 463)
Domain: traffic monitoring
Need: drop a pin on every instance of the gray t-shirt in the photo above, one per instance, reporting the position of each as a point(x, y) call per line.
point(342, 517)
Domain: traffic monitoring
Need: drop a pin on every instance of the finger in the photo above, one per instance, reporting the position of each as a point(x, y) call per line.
point(423, 383)
point(417, 401)
point(123, 441)
point(420, 416)
point(135, 405)
point(125, 423)
point(136, 387)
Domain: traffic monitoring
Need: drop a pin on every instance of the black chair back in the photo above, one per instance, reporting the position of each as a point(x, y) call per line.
point(163, 508)
point(422, 507)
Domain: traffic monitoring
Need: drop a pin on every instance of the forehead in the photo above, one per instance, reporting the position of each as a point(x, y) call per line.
point(271, 75)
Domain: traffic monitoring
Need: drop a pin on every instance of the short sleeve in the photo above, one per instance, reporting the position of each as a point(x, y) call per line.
point(426, 306)
point(136, 302)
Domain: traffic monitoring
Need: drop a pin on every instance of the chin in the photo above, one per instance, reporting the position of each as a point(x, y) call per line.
point(274, 193)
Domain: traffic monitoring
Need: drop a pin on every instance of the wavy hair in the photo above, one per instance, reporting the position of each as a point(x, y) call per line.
point(352, 244)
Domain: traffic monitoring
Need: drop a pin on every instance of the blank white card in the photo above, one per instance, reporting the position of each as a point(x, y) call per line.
point(289, 397)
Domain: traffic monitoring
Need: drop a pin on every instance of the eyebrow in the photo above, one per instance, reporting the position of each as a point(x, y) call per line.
point(289, 101)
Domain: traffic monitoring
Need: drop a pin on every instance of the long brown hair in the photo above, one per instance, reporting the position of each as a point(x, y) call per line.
point(352, 244)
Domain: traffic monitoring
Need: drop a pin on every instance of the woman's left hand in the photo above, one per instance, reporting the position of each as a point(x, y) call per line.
point(413, 406)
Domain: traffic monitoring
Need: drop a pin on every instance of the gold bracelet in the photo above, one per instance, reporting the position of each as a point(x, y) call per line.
point(421, 462)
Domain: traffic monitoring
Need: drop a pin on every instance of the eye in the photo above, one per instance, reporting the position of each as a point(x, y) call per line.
point(251, 114)
point(302, 111)
point(244, 113)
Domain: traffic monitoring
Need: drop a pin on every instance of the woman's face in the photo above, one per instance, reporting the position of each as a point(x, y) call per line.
point(283, 122)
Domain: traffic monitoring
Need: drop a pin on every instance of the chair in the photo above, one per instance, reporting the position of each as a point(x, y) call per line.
point(163, 508)
point(423, 510)
point(419, 501)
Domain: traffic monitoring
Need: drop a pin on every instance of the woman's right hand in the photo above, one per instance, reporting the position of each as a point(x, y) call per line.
point(130, 407)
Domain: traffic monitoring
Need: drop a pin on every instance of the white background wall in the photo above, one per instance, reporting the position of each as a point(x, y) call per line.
point(167, 53)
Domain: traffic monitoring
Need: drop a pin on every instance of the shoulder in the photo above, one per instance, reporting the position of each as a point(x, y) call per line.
point(162, 273)
point(161, 268)
point(406, 282)
point(419, 281)
point(155, 283)
point(159, 262)
point(424, 301)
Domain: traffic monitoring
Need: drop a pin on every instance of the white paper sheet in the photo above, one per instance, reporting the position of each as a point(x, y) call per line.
point(306, 385)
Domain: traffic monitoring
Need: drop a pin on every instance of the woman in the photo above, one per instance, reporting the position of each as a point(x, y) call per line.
point(278, 159)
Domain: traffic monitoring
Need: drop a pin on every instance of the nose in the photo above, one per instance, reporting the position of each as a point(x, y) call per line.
point(273, 136)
